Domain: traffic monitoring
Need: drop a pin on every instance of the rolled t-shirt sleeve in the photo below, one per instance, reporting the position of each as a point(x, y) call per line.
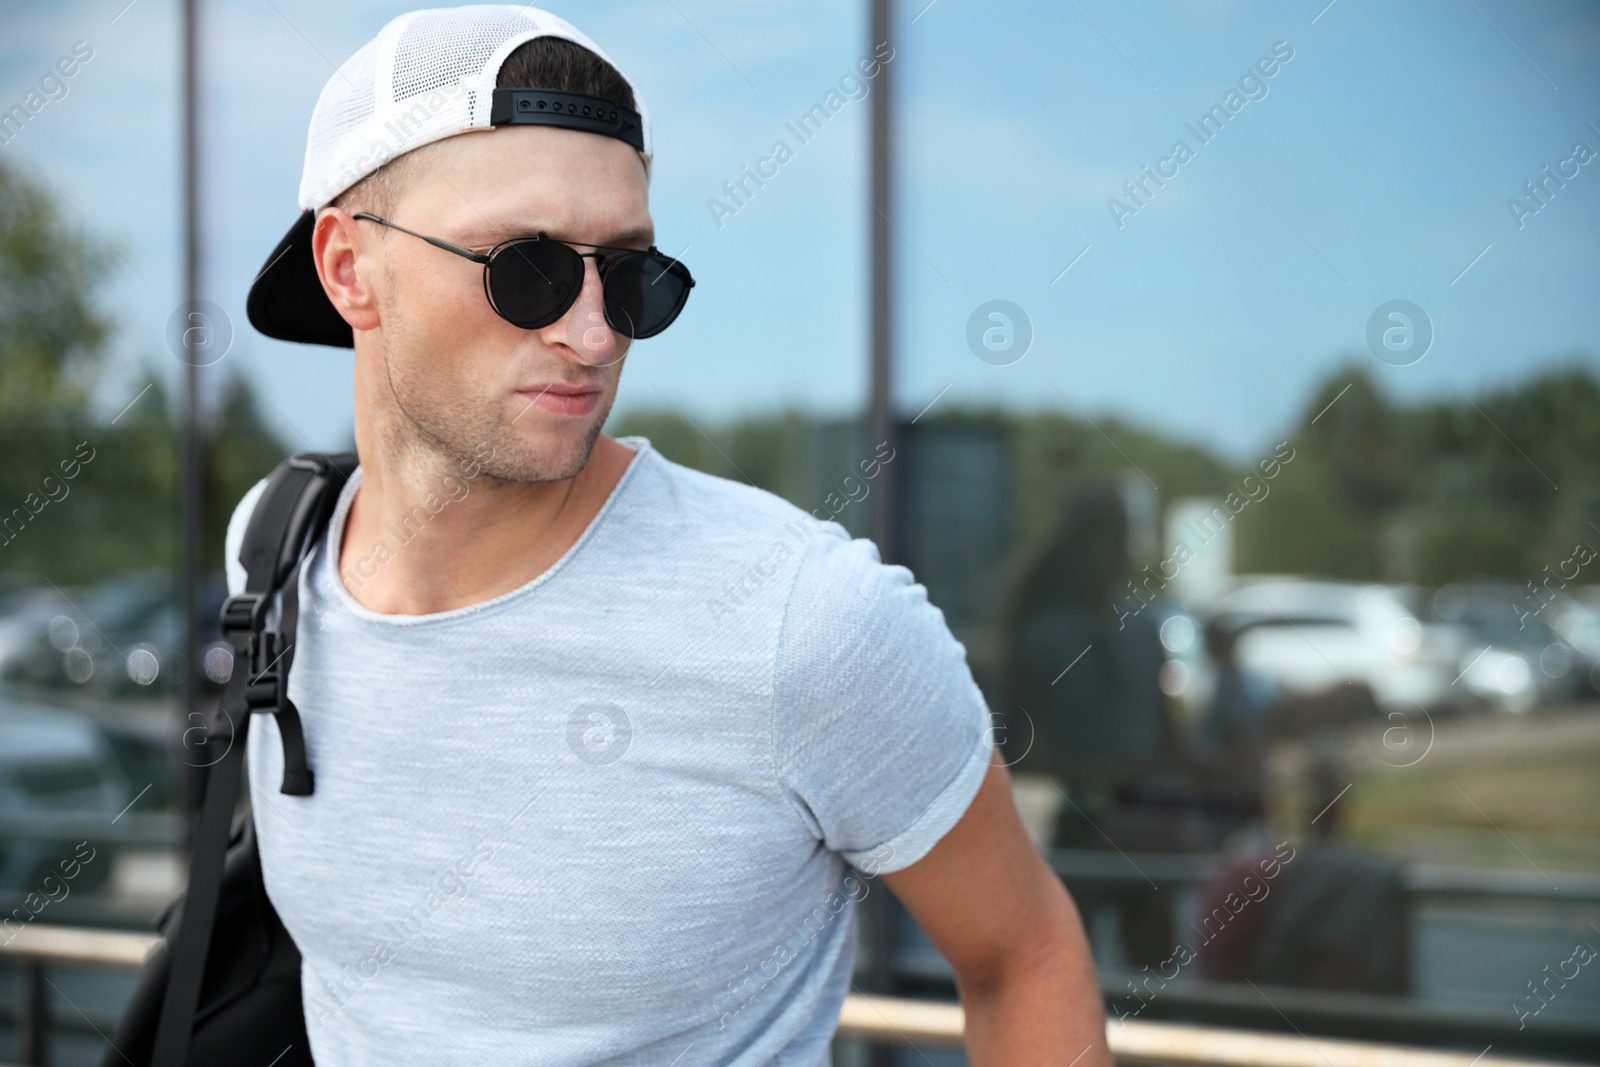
point(881, 737)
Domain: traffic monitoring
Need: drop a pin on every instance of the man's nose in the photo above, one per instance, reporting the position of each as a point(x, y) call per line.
point(588, 333)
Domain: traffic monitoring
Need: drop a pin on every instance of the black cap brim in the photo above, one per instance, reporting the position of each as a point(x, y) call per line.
point(287, 300)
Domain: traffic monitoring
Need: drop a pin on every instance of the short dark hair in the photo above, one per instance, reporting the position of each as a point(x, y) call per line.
point(542, 63)
point(557, 63)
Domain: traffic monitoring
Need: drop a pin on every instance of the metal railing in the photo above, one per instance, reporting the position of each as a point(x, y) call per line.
point(164, 830)
point(1421, 880)
point(884, 1020)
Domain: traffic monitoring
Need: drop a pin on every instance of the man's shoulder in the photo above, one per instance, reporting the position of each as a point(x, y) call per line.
point(718, 507)
point(723, 527)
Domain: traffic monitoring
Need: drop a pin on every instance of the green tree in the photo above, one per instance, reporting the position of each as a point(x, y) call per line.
point(52, 344)
point(51, 336)
point(117, 510)
point(242, 450)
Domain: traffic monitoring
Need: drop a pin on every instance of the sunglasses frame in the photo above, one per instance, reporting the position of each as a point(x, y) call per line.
point(605, 259)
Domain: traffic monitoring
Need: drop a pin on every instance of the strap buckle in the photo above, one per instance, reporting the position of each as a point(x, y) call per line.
point(242, 614)
point(257, 650)
point(265, 684)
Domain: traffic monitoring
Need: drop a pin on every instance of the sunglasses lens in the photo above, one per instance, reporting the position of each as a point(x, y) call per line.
point(644, 293)
point(532, 283)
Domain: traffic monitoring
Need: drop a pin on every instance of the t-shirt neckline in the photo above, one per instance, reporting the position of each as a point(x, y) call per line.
point(327, 567)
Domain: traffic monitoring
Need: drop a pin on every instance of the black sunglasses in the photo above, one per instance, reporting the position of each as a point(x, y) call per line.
point(532, 281)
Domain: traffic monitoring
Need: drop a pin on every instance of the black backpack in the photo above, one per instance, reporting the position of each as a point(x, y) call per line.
point(222, 988)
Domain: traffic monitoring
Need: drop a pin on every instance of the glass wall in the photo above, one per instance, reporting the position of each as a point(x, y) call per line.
point(1255, 355)
point(91, 650)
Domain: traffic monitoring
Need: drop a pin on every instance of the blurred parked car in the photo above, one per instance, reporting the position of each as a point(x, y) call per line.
point(25, 610)
point(54, 763)
point(1576, 620)
point(122, 636)
point(1311, 635)
point(1188, 675)
point(1511, 656)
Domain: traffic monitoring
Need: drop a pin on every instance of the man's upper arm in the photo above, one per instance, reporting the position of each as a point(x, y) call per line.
point(881, 737)
point(983, 894)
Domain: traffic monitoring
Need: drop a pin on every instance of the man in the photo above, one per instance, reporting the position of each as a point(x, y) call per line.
point(600, 742)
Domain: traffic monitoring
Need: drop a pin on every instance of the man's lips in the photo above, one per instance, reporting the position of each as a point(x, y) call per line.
point(559, 398)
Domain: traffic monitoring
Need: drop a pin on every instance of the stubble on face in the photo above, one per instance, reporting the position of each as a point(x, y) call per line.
point(448, 429)
point(460, 380)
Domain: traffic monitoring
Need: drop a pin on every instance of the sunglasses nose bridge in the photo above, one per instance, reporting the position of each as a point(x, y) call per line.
point(602, 268)
point(629, 302)
point(603, 262)
point(588, 301)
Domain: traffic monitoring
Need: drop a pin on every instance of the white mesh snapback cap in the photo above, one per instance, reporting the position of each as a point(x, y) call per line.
point(428, 75)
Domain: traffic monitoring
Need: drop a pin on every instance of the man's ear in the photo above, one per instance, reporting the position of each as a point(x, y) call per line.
point(336, 246)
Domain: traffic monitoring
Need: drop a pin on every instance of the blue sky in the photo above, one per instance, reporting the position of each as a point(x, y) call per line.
point(1377, 166)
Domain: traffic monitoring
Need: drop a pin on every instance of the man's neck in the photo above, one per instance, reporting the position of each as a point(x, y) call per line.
point(414, 549)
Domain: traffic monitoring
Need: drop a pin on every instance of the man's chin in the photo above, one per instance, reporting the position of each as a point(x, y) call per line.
point(553, 454)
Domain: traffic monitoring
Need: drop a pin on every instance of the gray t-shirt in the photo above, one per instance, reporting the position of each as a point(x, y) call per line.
point(615, 815)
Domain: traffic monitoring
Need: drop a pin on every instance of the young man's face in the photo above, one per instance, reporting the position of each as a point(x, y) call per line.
point(465, 380)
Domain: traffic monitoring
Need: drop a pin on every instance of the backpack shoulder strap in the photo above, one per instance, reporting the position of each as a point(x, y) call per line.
point(289, 515)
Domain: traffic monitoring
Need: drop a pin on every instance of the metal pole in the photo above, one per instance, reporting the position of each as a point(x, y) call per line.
point(33, 1014)
point(191, 465)
point(880, 402)
point(882, 911)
